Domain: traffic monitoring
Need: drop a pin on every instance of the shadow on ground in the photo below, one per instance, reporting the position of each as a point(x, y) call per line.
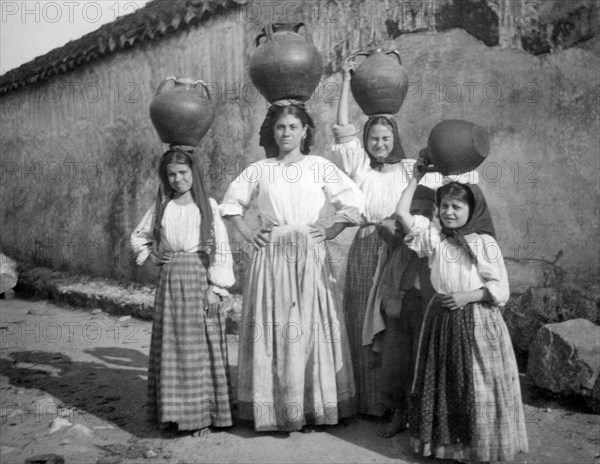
point(113, 390)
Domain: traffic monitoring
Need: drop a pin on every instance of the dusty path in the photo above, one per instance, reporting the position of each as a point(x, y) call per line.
point(85, 374)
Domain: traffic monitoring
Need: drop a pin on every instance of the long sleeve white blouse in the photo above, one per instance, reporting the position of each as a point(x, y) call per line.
point(294, 193)
point(181, 234)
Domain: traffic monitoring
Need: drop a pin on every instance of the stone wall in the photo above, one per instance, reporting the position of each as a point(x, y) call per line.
point(80, 153)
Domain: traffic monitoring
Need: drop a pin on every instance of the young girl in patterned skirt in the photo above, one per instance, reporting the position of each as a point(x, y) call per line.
point(188, 378)
point(466, 398)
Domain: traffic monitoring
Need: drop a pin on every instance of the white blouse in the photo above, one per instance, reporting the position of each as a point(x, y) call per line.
point(181, 234)
point(451, 269)
point(294, 193)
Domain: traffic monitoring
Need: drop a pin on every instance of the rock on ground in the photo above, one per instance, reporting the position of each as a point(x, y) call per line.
point(528, 312)
point(565, 358)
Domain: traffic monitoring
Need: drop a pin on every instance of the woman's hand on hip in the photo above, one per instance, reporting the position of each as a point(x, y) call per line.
point(320, 233)
point(162, 259)
point(260, 238)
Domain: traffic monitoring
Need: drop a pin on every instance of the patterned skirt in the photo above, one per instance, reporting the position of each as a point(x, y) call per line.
point(466, 397)
point(294, 360)
point(188, 377)
point(362, 264)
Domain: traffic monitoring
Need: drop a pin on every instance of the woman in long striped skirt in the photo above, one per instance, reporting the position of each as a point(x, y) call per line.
point(183, 233)
point(381, 170)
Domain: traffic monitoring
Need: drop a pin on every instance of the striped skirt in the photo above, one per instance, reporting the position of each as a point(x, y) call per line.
point(294, 360)
point(362, 265)
point(188, 377)
point(466, 397)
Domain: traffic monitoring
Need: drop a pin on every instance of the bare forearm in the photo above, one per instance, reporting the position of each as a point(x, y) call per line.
point(336, 229)
point(342, 113)
point(240, 225)
point(477, 296)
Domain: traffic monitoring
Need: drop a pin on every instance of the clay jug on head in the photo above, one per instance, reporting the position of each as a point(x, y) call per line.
point(286, 65)
point(456, 146)
point(182, 113)
point(379, 84)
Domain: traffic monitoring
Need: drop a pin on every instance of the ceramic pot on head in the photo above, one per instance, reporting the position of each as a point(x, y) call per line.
point(380, 82)
point(183, 112)
point(286, 65)
point(456, 146)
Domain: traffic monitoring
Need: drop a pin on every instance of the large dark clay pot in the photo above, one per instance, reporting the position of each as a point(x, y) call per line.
point(456, 146)
point(286, 65)
point(183, 113)
point(380, 82)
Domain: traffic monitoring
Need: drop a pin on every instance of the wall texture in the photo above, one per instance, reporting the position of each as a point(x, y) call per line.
point(79, 153)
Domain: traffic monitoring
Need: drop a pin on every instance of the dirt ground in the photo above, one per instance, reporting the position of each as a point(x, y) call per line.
point(73, 383)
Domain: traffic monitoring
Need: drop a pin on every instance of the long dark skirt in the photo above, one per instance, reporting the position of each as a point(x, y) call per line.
point(442, 409)
point(188, 377)
point(362, 264)
point(400, 342)
point(466, 399)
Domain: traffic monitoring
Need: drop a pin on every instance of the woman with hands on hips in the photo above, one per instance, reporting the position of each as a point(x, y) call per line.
point(295, 371)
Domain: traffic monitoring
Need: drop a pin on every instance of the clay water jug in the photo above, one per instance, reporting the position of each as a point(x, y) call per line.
point(380, 82)
point(456, 146)
point(182, 113)
point(286, 65)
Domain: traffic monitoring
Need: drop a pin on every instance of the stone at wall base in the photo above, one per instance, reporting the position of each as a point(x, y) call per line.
point(9, 274)
point(112, 296)
point(525, 314)
point(542, 294)
point(565, 358)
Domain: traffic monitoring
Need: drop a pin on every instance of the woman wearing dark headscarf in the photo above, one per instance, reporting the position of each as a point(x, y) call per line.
point(183, 233)
point(381, 171)
point(466, 398)
point(294, 362)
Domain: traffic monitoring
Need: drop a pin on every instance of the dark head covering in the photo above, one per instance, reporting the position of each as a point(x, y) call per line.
point(424, 196)
point(267, 138)
point(480, 219)
point(424, 193)
point(166, 194)
point(397, 153)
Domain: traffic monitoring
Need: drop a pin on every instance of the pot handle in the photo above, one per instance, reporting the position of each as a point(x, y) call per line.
point(359, 53)
point(395, 52)
point(307, 36)
point(266, 32)
point(162, 84)
point(203, 85)
point(298, 26)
